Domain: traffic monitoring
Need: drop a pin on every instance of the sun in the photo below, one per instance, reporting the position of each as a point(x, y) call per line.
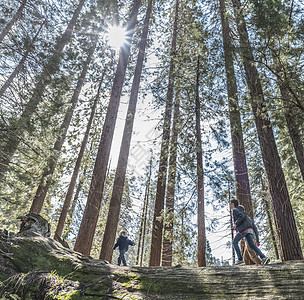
point(116, 36)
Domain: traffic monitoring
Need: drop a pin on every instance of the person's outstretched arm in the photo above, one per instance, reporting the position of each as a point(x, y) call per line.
point(131, 243)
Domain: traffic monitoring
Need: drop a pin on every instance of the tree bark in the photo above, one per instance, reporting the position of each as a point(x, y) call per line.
point(232, 233)
point(75, 200)
point(71, 212)
point(283, 81)
point(41, 192)
point(201, 235)
point(238, 149)
point(141, 239)
point(295, 138)
point(89, 220)
point(288, 108)
point(182, 236)
point(268, 213)
point(68, 198)
point(288, 237)
point(141, 229)
point(157, 227)
point(169, 216)
point(17, 130)
point(145, 221)
point(11, 23)
point(120, 174)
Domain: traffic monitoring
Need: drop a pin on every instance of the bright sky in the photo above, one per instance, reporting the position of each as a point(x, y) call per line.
point(116, 36)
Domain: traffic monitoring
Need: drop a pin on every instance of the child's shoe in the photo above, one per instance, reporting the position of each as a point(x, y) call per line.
point(265, 261)
point(239, 262)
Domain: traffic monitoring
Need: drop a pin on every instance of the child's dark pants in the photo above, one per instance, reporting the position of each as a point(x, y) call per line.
point(121, 257)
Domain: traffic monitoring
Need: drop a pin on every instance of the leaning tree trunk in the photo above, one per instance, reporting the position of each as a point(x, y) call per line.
point(89, 220)
point(69, 219)
point(141, 240)
point(52, 161)
point(120, 174)
point(169, 215)
point(267, 209)
point(68, 198)
point(141, 228)
point(11, 23)
point(146, 213)
point(293, 129)
point(74, 203)
point(145, 222)
point(19, 67)
point(182, 237)
point(201, 235)
point(288, 237)
point(232, 232)
point(16, 132)
point(238, 148)
point(296, 139)
point(157, 227)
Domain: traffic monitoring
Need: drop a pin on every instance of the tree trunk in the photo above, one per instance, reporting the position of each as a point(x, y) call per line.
point(169, 216)
point(296, 139)
point(182, 237)
point(291, 125)
point(267, 209)
point(17, 130)
point(289, 242)
point(157, 227)
point(76, 196)
point(120, 174)
point(238, 149)
point(146, 212)
point(68, 198)
point(11, 23)
point(52, 161)
point(19, 67)
point(287, 97)
point(89, 220)
point(141, 229)
point(201, 235)
point(144, 219)
point(232, 233)
point(71, 211)
point(145, 222)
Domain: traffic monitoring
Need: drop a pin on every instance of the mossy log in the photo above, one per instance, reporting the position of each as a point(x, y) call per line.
point(37, 267)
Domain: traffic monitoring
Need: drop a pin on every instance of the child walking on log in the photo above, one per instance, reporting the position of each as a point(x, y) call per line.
point(122, 243)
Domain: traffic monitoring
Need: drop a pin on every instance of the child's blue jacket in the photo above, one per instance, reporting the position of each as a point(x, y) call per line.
point(123, 243)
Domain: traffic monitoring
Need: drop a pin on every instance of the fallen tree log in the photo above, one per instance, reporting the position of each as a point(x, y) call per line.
point(37, 267)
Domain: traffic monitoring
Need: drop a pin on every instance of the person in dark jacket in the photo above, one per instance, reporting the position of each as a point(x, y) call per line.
point(245, 227)
point(122, 243)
